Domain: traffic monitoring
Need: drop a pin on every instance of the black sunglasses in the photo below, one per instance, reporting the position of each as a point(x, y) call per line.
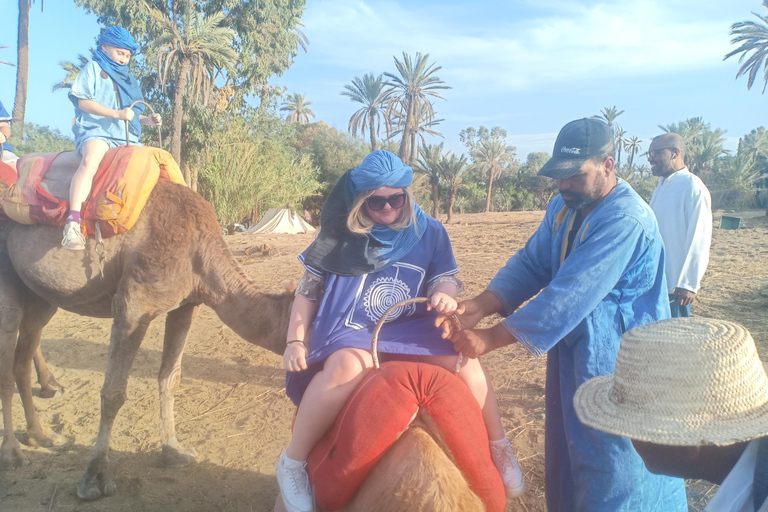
point(377, 203)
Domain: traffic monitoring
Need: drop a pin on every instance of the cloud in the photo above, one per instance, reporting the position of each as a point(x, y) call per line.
point(553, 43)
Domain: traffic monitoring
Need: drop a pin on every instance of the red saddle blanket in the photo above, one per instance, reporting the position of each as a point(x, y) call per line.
point(121, 186)
point(380, 409)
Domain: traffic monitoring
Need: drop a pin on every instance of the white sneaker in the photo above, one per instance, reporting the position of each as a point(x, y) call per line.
point(73, 237)
point(509, 469)
point(294, 485)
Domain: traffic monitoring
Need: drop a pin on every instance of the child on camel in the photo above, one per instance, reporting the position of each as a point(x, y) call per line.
point(102, 95)
point(5, 132)
point(375, 248)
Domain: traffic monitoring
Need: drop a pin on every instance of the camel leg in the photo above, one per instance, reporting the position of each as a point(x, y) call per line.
point(128, 329)
point(37, 313)
point(177, 326)
point(49, 386)
point(11, 314)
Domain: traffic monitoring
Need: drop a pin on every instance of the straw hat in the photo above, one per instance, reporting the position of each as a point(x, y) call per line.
point(684, 382)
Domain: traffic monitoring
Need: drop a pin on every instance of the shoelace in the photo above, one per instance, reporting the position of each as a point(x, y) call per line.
point(299, 478)
point(502, 455)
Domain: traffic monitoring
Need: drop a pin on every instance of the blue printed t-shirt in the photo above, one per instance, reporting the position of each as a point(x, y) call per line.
point(89, 85)
point(5, 117)
point(352, 305)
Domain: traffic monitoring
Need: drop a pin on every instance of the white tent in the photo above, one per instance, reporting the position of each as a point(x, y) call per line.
point(280, 220)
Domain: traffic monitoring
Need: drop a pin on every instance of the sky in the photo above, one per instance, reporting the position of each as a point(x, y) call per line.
point(528, 66)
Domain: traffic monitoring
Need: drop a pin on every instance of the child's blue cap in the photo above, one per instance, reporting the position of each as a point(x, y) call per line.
point(119, 38)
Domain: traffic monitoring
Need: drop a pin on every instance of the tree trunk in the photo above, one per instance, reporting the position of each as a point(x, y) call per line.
point(414, 149)
point(22, 70)
point(435, 195)
point(451, 201)
point(178, 112)
point(490, 187)
point(618, 160)
point(373, 134)
point(404, 152)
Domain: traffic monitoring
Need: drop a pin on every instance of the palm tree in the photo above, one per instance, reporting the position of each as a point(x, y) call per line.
point(753, 37)
point(704, 155)
point(491, 156)
point(72, 70)
point(22, 67)
point(452, 170)
point(298, 108)
point(609, 115)
point(370, 92)
point(2, 61)
point(195, 46)
point(619, 141)
point(633, 147)
point(422, 125)
point(417, 80)
point(428, 164)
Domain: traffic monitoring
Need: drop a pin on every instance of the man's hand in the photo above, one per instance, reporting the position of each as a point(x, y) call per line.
point(469, 315)
point(295, 357)
point(683, 297)
point(155, 120)
point(476, 342)
point(2, 138)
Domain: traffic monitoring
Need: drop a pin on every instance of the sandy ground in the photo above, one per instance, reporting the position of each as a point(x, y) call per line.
point(231, 404)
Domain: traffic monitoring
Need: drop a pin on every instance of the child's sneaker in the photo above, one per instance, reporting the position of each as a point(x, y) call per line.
point(509, 469)
point(294, 485)
point(73, 237)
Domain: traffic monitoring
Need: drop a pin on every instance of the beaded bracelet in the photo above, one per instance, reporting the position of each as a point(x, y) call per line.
point(295, 341)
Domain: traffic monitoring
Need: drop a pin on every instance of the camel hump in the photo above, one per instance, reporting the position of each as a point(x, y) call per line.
point(121, 186)
point(381, 409)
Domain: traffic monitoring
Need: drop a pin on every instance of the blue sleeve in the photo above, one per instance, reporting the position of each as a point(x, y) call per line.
point(84, 86)
point(585, 278)
point(528, 271)
point(443, 263)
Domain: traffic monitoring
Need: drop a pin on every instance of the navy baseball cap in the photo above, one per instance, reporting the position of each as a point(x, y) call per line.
point(576, 143)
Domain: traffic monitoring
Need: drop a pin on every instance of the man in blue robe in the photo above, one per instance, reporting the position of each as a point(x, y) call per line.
point(593, 270)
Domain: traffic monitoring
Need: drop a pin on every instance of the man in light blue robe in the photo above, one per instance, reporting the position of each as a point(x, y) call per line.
point(593, 270)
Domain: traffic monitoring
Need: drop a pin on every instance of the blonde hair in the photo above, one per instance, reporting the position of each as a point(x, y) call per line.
point(359, 223)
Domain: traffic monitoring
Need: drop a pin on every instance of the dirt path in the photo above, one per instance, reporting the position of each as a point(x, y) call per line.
point(232, 407)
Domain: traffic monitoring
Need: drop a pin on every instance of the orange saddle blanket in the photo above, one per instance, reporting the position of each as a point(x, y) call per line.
point(121, 186)
point(380, 409)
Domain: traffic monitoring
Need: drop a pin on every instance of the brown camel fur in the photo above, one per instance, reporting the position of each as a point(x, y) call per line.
point(170, 262)
point(415, 475)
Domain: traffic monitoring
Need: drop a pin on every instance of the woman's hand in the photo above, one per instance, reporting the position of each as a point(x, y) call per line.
point(295, 357)
point(126, 114)
point(442, 303)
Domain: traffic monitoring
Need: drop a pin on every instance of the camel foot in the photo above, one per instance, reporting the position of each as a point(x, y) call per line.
point(52, 389)
point(11, 456)
point(94, 485)
point(43, 438)
point(177, 456)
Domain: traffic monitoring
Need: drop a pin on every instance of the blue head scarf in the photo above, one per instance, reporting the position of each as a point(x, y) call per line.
point(339, 251)
point(127, 86)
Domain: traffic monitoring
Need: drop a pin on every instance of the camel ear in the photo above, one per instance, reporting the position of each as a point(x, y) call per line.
point(289, 286)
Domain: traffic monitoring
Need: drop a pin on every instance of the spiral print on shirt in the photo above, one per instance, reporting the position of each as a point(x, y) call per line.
point(383, 293)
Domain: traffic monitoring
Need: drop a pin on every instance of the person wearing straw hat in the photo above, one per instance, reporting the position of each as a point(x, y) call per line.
point(692, 394)
point(593, 269)
point(102, 95)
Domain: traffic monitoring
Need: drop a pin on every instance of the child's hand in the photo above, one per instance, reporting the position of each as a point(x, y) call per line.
point(442, 303)
point(295, 357)
point(126, 114)
point(155, 120)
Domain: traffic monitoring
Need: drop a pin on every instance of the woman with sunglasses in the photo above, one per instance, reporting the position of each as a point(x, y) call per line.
point(375, 248)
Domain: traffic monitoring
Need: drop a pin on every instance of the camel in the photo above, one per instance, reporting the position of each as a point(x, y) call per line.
point(414, 474)
point(170, 262)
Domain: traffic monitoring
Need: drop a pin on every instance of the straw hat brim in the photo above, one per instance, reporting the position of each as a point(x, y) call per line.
point(596, 407)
